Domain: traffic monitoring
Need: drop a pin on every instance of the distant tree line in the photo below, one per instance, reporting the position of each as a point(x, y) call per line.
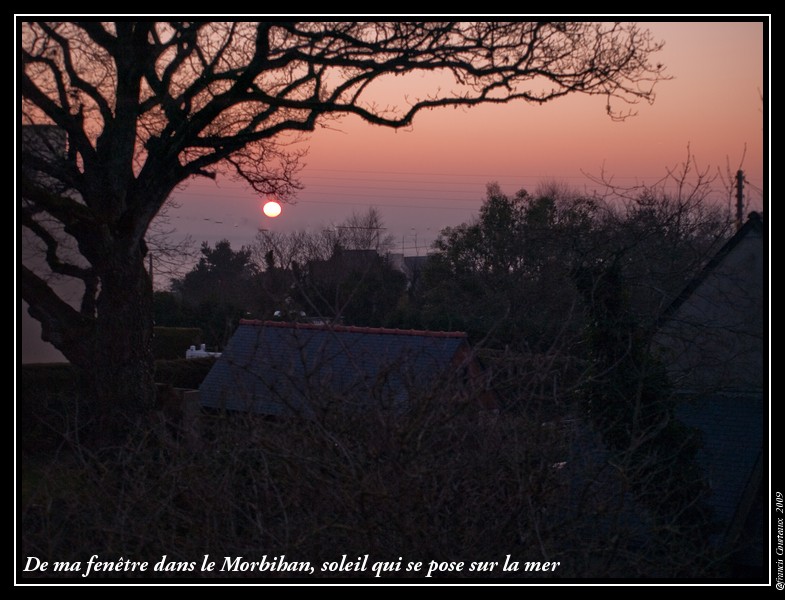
point(341, 274)
point(524, 276)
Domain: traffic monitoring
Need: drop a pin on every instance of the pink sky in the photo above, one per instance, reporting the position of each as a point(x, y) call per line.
point(434, 174)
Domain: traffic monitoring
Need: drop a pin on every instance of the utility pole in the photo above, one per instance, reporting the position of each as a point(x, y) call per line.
point(739, 199)
point(150, 267)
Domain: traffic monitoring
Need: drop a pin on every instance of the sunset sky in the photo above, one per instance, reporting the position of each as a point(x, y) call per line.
point(434, 174)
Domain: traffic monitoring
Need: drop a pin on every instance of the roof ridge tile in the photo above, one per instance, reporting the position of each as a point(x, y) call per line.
point(354, 329)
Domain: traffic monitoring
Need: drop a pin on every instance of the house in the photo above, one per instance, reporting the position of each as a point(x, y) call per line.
point(341, 263)
point(283, 369)
point(411, 266)
point(711, 341)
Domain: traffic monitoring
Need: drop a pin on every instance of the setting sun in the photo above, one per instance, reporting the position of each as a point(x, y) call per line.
point(272, 209)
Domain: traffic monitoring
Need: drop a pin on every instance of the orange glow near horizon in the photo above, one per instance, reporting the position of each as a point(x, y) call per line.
point(434, 174)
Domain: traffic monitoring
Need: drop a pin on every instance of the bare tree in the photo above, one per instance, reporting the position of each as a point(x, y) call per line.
point(666, 230)
point(365, 231)
point(147, 105)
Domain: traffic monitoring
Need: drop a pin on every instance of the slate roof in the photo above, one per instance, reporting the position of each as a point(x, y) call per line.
point(275, 368)
point(720, 328)
point(732, 430)
point(711, 337)
point(753, 226)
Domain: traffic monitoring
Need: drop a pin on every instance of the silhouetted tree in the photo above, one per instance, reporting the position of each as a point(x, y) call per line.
point(218, 291)
point(666, 231)
point(355, 287)
point(147, 105)
point(507, 275)
point(222, 275)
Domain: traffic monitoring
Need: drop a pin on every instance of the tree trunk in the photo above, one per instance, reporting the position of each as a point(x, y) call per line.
point(121, 384)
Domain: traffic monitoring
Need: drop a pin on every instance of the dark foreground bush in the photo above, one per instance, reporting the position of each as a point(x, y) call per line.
point(183, 373)
point(50, 412)
point(438, 483)
point(47, 404)
point(172, 342)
